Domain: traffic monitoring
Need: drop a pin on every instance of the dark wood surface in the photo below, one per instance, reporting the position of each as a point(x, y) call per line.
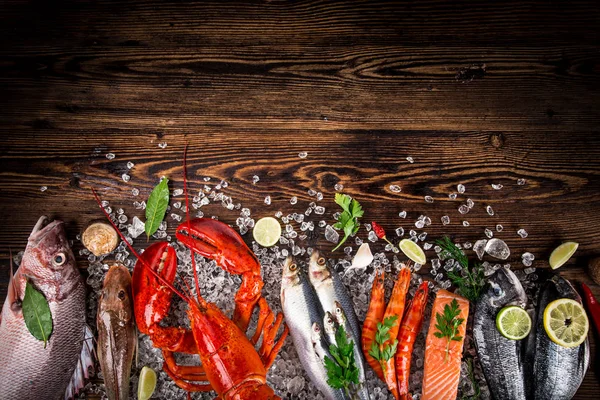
point(476, 92)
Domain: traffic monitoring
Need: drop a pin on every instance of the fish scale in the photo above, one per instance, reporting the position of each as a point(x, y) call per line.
point(27, 370)
point(501, 359)
point(557, 371)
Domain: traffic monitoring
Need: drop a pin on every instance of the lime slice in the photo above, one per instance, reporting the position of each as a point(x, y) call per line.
point(412, 251)
point(513, 323)
point(566, 323)
point(267, 231)
point(146, 384)
point(562, 253)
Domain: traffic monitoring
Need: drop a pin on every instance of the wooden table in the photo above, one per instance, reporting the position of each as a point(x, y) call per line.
point(477, 93)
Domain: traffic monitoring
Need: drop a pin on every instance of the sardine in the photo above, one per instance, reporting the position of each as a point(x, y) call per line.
point(501, 358)
point(340, 317)
point(116, 332)
point(302, 309)
point(27, 369)
point(557, 371)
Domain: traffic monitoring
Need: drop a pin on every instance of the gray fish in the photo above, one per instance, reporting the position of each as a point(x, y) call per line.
point(330, 288)
point(302, 309)
point(116, 332)
point(501, 358)
point(557, 371)
point(27, 369)
point(340, 317)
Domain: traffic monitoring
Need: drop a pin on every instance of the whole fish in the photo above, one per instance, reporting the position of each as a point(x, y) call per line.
point(27, 369)
point(340, 317)
point(557, 371)
point(329, 289)
point(302, 310)
point(501, 358)
point(116, 332)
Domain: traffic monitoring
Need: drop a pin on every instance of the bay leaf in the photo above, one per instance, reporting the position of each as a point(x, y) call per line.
point(156, 207)
point(37, 314)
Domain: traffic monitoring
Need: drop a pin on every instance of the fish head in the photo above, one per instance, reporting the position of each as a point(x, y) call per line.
point(316, 333)
point(317, 268)
point(116, 292)
point(339, 313)
point(48, 260)
point(505, 289)
point(291, 275)
point(329, 323)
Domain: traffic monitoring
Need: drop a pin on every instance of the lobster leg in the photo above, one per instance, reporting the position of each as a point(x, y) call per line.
point(190, 387)
point(268, 360)
point(264, 312)
point(189, 372)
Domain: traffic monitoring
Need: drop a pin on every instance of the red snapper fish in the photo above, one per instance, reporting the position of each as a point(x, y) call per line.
point(27, 369)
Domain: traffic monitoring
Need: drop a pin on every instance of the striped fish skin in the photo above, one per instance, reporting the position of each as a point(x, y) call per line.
point(501, 358)
point(27, 369)
point(557, 371)
point(302, 309)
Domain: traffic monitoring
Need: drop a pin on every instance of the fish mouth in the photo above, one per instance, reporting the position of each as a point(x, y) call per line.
point(42, 228)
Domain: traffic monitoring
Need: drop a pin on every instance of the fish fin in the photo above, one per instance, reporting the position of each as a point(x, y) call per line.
point(85, 364)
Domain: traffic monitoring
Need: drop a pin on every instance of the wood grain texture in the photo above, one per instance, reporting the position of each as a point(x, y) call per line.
point(476, 92)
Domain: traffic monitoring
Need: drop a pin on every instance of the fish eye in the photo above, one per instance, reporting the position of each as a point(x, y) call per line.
point(293, 267)
point(121, 295)
point(321, 261)
point(59, 259)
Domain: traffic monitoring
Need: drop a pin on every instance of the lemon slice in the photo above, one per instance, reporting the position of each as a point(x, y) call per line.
point(562, 253)
point(147, 383)
point(413, 251)
point(513, 323)
point(566, 323)
point(267, 231)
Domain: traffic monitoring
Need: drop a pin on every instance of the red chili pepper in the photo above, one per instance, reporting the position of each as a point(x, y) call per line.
point(380, 232)
point(592, 306)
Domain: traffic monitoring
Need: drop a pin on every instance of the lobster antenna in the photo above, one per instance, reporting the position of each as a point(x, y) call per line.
point(135, 253)
point(187, 215)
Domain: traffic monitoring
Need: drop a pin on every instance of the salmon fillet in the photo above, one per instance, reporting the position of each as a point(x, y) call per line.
point(442, 371)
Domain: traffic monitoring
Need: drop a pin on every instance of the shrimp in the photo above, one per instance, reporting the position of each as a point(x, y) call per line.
point(395, 307)
point(374, 316)
point(411, 326)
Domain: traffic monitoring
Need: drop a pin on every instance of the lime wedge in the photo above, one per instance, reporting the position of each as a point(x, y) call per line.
point(566, 322)
point(562, 253)
point(513, 323)
point(267, 231)
point(146, 384)
point(412, 251)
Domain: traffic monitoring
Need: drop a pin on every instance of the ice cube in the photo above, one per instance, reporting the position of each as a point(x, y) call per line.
point(293, 200)
point(348, 250)
point(395, 189)
point(428, 199)
point(453, 196)
point(427, 246)
point(331, 234)
point(130, 165)
point(177, 192)
point(497, 186)
point(136, 228)
point(445, 220)
point(303, 154)
point(43, 188)
point(422, 236)
point(460, 188)
point(125, 177)
point(322, 224)
point(122, 218)
point(521, 181)
point(338, 187)
point(110, 156)
point(529, 270)
point(312, 192)
point(135, 191)
point(177, 204)
point(400, 231)
point(528, 256)
point(176, 217)
point(497, 248)
point(372, 236)
point(523, 233)
point(319, 210)
point(527, 262)
point(488, 232)
point(479, 247)
point(410, 159)
point(295, 385)
point(489, 210)
point(463, 209)
point(470, 203)
point(402, 214)
point(499, 228)
point(420, 224)
point(255, 179)
point(319, 196)
point(162, 145)
point(267, 200)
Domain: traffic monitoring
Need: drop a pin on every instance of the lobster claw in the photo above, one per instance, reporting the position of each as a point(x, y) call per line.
point(152, 299)
point(218, 241)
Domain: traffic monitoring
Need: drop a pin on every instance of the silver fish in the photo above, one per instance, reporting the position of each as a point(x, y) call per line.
point(330, 288)
point(557, 371)
point(340, 317)
point(501, 358)
point(330, 328)
point(117, 336)
point(27, 369)
point(302, 309)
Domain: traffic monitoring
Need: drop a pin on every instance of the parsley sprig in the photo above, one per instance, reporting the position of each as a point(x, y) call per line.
point(447, 324)
point(342, 372)
point(472, 282)
point(348, 220)
point(381, 351)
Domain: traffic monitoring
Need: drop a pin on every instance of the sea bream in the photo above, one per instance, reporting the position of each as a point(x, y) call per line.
point(557, 371)
point(302, 310)
point(27, 369)
point(117, 336)
point(501, 358)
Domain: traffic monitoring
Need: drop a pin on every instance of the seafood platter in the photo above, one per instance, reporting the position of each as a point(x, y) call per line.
point(298, 302)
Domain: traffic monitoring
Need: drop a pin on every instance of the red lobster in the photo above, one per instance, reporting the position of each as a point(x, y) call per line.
point(231, 365)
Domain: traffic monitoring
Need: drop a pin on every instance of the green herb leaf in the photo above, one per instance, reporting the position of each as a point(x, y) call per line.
point(348, 219)
point(156, 207)
point(381, 350)
point(472, 283)
point(342, 371)
point(448, 323)
point(36, 313)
